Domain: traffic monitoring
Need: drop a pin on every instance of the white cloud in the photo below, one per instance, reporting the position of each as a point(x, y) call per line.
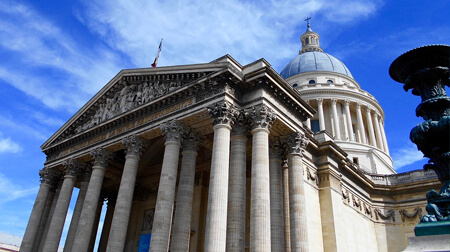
point(199, 30)
point(73, 73)
point(406, 156)
point(7, 145)
point(10, 191)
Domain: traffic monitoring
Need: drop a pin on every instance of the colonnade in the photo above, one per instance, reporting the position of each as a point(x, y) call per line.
point(369, 127)
point(276, 192)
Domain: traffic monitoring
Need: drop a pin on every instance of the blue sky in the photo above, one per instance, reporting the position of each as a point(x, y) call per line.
point(55, 55)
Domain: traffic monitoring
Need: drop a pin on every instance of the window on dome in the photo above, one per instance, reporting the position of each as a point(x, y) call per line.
point(312, 82)
point(312, 40)
point(306, 40)
point(330, 82)
point(295, 85)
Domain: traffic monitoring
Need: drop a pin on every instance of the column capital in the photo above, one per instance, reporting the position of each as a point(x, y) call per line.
point(223, 113)
point(48, 176)
point(85, 174)
point(296, 143)
point(358, 105)
point(191, 140)
point(276, 149)
point(347, 102)
point(260, 116)
point(240, 126)
point(173, 131)
point(101, 156)
point(134, 145)
point(72, 167)
point(319, 101)
point(334, 101)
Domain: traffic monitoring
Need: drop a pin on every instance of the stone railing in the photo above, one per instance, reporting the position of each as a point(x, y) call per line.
point(402, 178)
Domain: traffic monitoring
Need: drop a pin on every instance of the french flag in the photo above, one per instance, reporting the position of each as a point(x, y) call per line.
point(157, 54)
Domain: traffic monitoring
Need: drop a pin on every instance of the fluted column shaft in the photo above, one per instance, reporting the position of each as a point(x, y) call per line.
point(261, 118)
point(62, 206)
point(44, 220)
point(183, 211)
point(260, 192)
point(216, 225)
point(49, 219)
point(133, 149)
point(287, 220)
point(276, 198)
point(348, 116)
point(77, 212)
point(237, 188)
point(371, 131)
point(385, 144)
point(337, 128)
point(86, 224)
point(297, 205)
point(360, 124)
point(378, 131)
point(162, 221)
point(223, 115)
point(38, 209)
point(321, 116)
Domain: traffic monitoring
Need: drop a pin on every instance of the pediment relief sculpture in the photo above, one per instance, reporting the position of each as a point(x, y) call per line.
point(127, 94)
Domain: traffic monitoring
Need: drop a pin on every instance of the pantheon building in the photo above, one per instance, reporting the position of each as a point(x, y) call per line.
point(225, 157)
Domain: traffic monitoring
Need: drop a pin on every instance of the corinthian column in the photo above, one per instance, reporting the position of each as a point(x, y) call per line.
point(162, 223)
point(371, 131)
point(360, 124)
point(47, 179)
point(386, 148)
point(84, 176)
point(321, 116)
point(287, 219)
point(223, 115)
point(276, 197)
point(237, 182)
point(296, 144)
point(337, 128)
point(72, 167)
point(86, 224)
point(134, 147)
point(348, 116)
point(378, 132)
point(182, 220)
point(261, 119)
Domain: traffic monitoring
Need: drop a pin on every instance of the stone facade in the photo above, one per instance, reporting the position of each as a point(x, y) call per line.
point(219, 157)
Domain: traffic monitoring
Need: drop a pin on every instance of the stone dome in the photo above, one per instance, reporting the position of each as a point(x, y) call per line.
point(312, 62)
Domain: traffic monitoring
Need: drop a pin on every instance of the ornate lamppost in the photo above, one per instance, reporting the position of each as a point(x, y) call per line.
point(425, 70)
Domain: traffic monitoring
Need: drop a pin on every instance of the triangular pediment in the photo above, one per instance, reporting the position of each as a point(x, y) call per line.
point(134, 88)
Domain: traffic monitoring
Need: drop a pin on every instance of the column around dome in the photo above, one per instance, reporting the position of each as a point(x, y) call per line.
point(386, 148)
point(320, 111)
point(336, 128)
point(377, 128)
point(373, 142)
point(362, 135)
point(349, 121)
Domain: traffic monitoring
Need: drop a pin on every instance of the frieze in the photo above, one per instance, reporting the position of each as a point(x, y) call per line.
point(416, 212)
point(128, 93)
point(124, 128)
point(310, 176)
point(390, 214)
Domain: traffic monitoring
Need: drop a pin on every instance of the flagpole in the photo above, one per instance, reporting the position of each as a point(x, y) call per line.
point(158, 53)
